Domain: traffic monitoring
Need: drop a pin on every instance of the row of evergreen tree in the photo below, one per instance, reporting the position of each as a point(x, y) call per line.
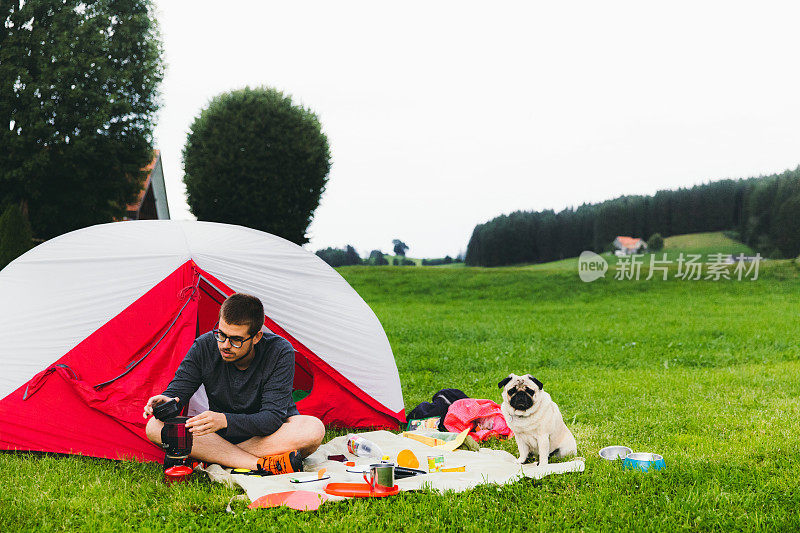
point(348, 255)
point(763, 212)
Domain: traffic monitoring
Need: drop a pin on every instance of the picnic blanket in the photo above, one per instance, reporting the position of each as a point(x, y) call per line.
point(484, 466)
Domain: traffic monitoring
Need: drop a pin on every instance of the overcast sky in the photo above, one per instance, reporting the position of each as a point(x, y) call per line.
point(442, 115)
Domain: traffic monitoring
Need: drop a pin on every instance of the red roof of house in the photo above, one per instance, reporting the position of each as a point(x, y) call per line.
point(629, 242)
point(149, 168)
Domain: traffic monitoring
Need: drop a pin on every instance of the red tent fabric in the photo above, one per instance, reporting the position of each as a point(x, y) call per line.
point(61, 410)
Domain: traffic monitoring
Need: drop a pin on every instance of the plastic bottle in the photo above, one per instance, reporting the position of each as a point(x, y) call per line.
point(358, 445)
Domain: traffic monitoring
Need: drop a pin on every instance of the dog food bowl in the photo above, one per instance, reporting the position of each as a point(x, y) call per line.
point(643, 461)
point(615, 452)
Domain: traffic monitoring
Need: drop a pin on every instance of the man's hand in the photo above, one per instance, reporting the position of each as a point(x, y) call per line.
point(206, 422)
point(155, 400)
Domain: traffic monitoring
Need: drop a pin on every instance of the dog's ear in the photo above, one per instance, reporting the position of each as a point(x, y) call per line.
point(504, 382)
point(537, 382)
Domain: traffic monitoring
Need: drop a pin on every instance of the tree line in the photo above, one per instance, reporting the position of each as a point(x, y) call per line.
point(348, 256)
point(762, 211)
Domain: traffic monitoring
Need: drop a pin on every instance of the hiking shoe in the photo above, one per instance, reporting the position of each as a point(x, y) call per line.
point(281, 463)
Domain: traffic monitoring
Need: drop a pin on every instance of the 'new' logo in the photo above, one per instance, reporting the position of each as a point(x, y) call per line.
point(591, 266)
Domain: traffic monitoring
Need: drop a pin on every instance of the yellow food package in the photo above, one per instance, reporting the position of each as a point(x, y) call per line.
point(424, 439)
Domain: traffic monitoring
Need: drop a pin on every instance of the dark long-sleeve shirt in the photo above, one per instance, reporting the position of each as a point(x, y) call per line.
point(256, 401)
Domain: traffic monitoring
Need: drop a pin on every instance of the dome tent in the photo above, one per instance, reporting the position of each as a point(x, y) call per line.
point(101, 317)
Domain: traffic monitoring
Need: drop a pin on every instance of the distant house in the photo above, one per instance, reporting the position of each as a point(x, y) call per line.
point(629, 245)
point(151, 204)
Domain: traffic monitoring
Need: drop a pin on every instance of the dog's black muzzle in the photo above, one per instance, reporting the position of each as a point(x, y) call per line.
point(521, 401)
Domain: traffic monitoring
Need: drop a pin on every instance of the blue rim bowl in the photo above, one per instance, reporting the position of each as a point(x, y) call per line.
point(643, 461)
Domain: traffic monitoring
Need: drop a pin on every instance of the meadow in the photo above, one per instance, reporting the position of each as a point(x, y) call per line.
point(706, 373)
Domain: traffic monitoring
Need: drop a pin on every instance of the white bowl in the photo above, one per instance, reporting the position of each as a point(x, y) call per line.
point(615, 452)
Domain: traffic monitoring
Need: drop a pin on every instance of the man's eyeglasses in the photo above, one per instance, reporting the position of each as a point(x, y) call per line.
point(236, 342)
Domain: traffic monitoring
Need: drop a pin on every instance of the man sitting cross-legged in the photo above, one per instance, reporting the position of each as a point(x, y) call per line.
point(252, 421)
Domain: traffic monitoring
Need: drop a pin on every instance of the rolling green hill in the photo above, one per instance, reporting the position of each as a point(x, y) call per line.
point(704, 244)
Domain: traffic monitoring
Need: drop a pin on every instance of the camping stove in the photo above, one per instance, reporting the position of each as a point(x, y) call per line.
point(176, 440)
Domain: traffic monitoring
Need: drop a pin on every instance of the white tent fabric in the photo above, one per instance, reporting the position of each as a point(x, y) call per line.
point(57, 294)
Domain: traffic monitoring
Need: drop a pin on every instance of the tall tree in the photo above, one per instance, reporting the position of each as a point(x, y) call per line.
point(255, 159)
point(78, 96)
point(352, 256)
point(655, 243)
point(788, 239)
point(399, 247)
point(337, 257)
point(376, 258)
point(15, 235)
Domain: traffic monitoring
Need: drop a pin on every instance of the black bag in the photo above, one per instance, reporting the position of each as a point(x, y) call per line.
point(442, 401)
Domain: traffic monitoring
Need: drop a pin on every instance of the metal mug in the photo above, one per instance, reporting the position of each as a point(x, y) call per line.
point(381, 477)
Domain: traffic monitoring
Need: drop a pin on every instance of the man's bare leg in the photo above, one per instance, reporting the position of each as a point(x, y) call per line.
point(300, 432)
point(209, 448)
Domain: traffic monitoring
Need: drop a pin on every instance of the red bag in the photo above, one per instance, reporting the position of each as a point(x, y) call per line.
point(482, 417)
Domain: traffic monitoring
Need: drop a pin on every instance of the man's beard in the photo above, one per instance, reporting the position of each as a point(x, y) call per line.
point(230, 361)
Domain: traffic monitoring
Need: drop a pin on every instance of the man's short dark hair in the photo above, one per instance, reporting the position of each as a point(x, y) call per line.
point(243, 309)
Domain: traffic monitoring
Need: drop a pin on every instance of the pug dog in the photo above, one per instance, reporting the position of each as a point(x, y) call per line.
point(535, 419)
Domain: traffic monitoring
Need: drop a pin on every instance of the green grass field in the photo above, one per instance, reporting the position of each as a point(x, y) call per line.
point(705, 373)
point(712, 241)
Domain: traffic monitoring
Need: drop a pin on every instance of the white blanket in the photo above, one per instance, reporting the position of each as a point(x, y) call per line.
point(485, 466)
